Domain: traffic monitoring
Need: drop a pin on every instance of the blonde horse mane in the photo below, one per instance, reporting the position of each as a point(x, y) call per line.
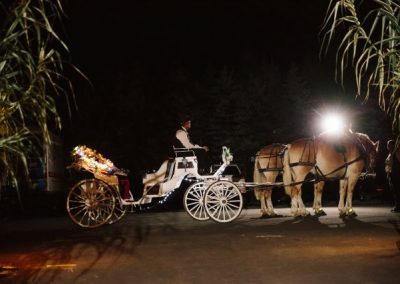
point(367, 143)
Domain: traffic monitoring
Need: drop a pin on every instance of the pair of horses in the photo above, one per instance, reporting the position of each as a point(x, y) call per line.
point(328, 156)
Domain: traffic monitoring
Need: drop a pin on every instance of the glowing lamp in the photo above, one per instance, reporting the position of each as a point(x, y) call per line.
point(333, 123)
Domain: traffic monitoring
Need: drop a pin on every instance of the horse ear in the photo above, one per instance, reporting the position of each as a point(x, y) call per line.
point(376, 144)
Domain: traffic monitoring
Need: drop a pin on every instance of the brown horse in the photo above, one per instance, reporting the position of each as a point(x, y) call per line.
point(329, 157)
point(267, 166)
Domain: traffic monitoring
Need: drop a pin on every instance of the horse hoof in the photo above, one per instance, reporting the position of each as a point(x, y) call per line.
point(267, 215)
point(270, 215)
point(351, 213)
point(320, 212)
point(305, 213)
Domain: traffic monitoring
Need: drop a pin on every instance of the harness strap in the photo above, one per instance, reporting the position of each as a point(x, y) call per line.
point(319, 175)
point(270, 156)
point(322, 177)
point(262, 170)
point(301, 163)
point(301, 182)
point(276, 155)
point(362, 150)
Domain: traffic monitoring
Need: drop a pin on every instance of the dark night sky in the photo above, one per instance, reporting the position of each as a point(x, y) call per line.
point(105, 35)
point(113, 41)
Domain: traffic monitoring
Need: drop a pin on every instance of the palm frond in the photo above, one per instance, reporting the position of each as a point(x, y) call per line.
point(31, 77)
point(372, 43)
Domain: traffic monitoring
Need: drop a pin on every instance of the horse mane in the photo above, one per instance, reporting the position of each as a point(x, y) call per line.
point(366, 142)
point(362, 136)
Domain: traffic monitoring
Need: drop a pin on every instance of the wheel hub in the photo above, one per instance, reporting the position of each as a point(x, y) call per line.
point(91, 202)
point(223, 201)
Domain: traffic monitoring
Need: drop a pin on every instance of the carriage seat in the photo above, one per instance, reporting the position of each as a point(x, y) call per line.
point(164, 173)
point(183, 152)
point(198, 160)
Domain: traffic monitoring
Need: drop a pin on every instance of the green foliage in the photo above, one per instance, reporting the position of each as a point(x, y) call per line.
point(31, 80)
point(370, 43)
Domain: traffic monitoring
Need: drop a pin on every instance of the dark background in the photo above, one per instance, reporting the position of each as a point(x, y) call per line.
point(247, 72)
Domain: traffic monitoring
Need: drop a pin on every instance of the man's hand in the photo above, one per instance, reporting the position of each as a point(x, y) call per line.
point(205, 148)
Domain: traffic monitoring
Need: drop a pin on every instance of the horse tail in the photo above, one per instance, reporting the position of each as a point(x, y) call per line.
point(257, 176)
point(256, 172)
point(287, 173)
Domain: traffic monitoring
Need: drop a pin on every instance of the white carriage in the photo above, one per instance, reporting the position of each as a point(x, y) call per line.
point(105, 197)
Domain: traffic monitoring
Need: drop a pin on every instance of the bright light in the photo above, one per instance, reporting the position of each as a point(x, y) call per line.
point(333, 123)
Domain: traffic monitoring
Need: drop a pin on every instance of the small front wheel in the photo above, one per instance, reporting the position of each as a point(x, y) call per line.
point(223, 201)
point(193, 201)
point(91, 203)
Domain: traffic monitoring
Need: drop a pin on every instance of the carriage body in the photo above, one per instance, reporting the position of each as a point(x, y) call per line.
point(106, 197)
point(169, 176)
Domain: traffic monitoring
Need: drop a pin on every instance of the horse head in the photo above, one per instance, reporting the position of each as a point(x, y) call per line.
point(369, 149)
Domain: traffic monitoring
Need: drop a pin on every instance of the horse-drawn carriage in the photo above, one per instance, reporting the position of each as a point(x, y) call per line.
point(106, 197)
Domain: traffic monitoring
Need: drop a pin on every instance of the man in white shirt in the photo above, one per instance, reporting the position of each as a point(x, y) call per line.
point(182, 135)
point(183, 141)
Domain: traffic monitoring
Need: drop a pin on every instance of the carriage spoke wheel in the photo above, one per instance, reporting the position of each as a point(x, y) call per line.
point(223, 201)
point(119, 210)
point(193, 201)
point(91, 203)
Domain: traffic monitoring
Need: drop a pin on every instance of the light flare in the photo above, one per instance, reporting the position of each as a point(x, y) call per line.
point(333, 123)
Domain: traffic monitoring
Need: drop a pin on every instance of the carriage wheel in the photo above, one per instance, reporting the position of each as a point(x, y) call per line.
point(223, 201)
point(90, 203)
point(193, 201)
point(119, 211)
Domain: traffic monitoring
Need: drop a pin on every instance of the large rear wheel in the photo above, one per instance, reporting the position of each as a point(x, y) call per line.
point(91, 203)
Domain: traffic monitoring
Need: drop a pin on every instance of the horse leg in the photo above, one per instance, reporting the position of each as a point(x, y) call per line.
point(297, 205)
point(260, 195)
point(317, 205)
point(268, 196)
point(349, 200)
point(302, 208)
point(264, 210)
point(268, 209)
point(343, 189)
point(293, 200)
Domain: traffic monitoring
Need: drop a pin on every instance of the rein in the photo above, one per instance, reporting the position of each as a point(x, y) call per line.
point(319, 175)
point(322, 177)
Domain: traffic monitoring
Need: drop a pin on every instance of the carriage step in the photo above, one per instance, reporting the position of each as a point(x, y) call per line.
point(129, 200)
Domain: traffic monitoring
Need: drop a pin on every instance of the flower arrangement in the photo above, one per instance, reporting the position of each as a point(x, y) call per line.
point(90, 160)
